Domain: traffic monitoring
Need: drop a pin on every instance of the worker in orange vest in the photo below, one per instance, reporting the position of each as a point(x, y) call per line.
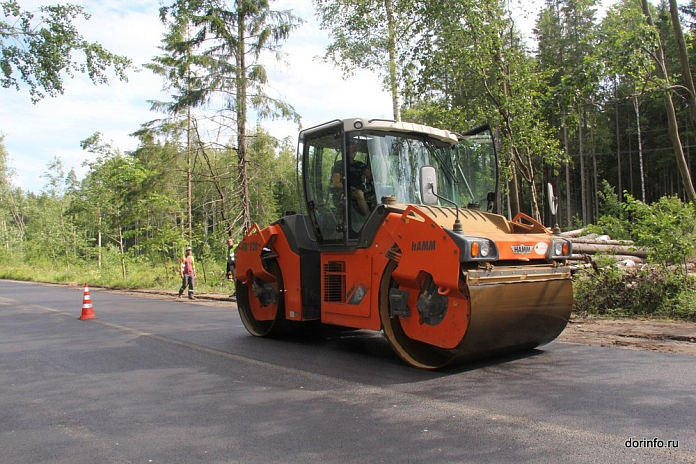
point(187, 270)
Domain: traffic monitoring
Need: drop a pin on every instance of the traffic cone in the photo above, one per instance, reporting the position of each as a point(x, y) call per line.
point(87, 309)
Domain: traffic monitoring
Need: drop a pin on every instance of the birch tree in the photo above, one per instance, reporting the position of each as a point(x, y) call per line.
point(370, 34)
point(37, 50)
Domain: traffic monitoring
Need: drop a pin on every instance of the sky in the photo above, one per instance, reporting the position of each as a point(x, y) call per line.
point(35, 134)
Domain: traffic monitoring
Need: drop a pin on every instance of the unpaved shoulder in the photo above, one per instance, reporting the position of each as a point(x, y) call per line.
point(635, 334)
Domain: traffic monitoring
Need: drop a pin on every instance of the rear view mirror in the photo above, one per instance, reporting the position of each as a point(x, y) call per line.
point(428, 185)
point(552, 199)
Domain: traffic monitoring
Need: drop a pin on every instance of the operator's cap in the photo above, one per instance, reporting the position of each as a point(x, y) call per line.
point(188, 248)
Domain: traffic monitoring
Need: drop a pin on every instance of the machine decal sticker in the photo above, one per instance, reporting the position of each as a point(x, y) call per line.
point(540, 248)
point(521, 249)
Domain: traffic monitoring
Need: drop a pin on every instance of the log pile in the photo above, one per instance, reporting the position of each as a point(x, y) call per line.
point(587, 247)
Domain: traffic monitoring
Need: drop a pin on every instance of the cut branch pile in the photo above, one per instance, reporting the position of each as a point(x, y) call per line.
point(586, 248)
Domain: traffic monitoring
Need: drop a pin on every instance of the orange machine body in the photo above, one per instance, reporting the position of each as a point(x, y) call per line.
point(349, 281)
point(376, 249)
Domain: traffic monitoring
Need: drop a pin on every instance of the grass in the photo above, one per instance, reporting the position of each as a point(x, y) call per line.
point(139, 275)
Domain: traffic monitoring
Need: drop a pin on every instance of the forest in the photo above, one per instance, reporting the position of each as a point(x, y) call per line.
point(600, 105)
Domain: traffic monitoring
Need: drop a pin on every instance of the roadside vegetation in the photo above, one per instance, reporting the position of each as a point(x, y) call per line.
point(124, 225)
point(665, 286)
point(141, 272)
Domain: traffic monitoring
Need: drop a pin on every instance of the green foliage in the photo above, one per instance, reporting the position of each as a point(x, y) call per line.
point(612, 221)
point(203, 54)
point(270, 199)
point(212, 51)
point(474, 67)
point(132, 201)
point(650, 292)
point(667, 228)
point(142, 273)
point(38, 51)
point(458, 63)
point(624, 38)
point(11, 226)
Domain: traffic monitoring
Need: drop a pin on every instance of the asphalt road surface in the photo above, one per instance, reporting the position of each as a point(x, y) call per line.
point(173, 381)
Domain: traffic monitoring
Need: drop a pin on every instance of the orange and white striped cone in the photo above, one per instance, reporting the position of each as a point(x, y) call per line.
point(87, 309)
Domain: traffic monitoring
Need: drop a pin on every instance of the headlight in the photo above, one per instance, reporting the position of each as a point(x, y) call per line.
point(480, 249)
point(475, 248)
point(560, 249)
point(485, 249)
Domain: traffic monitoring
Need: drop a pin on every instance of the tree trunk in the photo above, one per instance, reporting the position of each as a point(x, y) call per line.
point(514, 195)
point(595, 186)
point(123, 256)
point(581, 149)
point(566, 144)
point(684, 60)
point(99, 238)
point(189, 208)
point(636, 105)
point(597, 241)
point(673, 126)
point(241, 119)
point(618, 142)
point(393, 75)
point(66, 243)
point(590, 249)
point(631, 187)
point(218, 188)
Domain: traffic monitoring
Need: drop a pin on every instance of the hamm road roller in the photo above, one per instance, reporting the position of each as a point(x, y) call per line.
point(400, 235)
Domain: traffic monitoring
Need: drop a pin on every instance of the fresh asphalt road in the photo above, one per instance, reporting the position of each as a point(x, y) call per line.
point(172, 381)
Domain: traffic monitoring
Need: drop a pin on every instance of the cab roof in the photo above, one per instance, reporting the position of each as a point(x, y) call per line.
point(386, 125)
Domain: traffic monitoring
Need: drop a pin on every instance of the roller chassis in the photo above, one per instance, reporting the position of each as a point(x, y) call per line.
point(432, 309)
point(403, 270)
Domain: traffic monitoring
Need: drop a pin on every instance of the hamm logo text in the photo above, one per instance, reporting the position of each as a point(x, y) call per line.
point(423, 245)
point(521, 249)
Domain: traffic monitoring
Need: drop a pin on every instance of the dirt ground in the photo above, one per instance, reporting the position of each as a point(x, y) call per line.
point(633, 334)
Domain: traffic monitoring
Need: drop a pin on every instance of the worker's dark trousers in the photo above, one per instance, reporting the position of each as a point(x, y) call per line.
point(187, 281)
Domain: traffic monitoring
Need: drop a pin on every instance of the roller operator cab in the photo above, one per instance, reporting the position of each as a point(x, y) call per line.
point(400, 234)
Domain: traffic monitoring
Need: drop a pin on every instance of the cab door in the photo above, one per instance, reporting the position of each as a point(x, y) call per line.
point(322, 163)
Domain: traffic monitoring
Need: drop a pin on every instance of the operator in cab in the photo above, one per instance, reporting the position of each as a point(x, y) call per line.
point(358, 173)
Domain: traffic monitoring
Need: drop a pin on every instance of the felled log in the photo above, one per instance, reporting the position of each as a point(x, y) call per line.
point(635, 259)
point(600, 241)
point(594, 248)
point(577, 257)
point(572, 233)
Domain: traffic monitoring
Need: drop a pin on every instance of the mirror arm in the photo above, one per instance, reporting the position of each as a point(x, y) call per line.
point(457, 227)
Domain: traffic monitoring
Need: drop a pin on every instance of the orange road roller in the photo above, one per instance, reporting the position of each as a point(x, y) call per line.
point(400, 234)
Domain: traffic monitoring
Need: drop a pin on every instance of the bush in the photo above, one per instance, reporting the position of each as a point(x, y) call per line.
point(666, 228)
point(652, 291)
point(613, 220)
